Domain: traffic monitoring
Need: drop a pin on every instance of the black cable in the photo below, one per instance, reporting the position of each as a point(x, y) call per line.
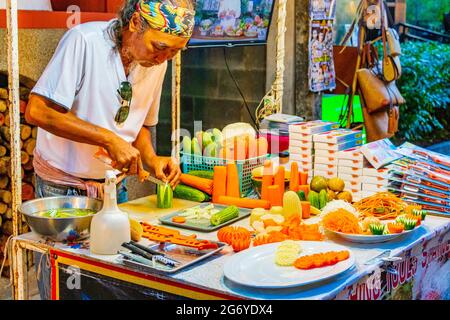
point(239, 88)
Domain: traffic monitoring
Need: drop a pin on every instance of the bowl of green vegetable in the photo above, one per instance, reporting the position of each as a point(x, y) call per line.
point(61, 218)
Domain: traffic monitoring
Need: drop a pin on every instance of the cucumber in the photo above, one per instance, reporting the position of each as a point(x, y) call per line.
point(313, 198)
point(202, 174)
point(188, 193)
point(376, 228)
point(301, 195)
point(196, 149)
point(323, 198)
point(164, 197)
point(225, 215)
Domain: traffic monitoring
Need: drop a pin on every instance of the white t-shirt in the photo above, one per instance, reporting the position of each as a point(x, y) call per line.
point(83, 76)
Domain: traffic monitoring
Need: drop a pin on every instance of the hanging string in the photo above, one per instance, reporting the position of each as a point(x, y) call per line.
point(7, 254)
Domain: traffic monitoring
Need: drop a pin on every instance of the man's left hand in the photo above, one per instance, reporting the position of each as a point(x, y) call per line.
point(167, 170)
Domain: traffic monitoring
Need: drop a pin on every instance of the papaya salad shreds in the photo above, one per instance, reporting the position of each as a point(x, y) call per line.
point(382, 205)
point(342, 221)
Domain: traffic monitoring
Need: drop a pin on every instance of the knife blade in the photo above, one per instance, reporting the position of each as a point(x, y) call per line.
point(156, 181)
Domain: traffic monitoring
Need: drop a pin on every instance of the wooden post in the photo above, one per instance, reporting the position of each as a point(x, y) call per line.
point(279, 78)
point(176, 102)
point(14, 108)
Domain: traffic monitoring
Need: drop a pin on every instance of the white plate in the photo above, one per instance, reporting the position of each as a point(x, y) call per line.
point(360, 238)
point(256, 266)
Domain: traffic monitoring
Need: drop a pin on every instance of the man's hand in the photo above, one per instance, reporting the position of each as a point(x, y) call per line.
point(125, 157)
point(166, 169)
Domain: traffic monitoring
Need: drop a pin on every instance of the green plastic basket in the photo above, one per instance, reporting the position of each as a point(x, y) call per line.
point(191, 162)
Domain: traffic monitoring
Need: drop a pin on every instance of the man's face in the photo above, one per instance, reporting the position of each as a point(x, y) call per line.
point(154, 47)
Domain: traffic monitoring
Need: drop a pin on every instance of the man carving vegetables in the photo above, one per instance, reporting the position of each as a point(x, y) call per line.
point(101, 91)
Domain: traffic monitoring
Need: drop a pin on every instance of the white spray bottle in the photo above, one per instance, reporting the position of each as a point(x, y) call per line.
point(110, 227)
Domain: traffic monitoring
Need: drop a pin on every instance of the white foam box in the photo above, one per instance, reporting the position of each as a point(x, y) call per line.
point(337, 136)
point(372, 172)
point(350, 170)
point(326, 153)
point(326, 167)
point(326, 160)
point(349, 177)
point(300, 136)
point(352, 184)
point(325, 174)
point(302, 156)
point(302, 144)
point(373, 187)
point(313, 127)
point(351, 154)
point(352, 163)
point(301, 151)
point(375, 180)
point(337, 147)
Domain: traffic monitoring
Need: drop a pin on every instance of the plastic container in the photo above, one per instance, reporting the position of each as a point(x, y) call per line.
point(110, 227)
point(190, 162)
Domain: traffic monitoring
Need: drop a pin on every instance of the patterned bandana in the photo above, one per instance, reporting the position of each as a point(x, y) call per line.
point(166, 18)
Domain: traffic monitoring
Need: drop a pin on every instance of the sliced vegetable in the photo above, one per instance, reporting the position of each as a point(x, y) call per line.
point(188, 193)
point(294, 183)
point(187, 144)
point(304, 188)
point(278, 179)
point(233, 189)
point(303, 177)
point(275, 198)
point(195, 147)
point(252, 148)
point(179, 219)
point(291, 204)
point(244, 202)
point(263, 146)
point(323, 198)
point(219, 182)
point(301, 195)
point(226, 234)
point(313, 198)
point(377, 228)
point(239, 242)
point(421, 213)
point(319, 260)
point(164, 197)
point(306, 209)
point(395, 227)
point(202, 184)
point(267, 180)
point(225, 215)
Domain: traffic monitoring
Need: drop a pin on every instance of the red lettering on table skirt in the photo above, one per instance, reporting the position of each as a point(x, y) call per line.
point(402, 271)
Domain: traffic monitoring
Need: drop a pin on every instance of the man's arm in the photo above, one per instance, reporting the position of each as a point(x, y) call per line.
point(164, 168)
point(54, 119)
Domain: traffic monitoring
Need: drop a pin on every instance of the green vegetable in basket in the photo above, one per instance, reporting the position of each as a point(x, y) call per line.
point(206, 139)
point(164, 197)
point(188, 193)
point(217, 136)
point(225, 215)
point(195, 148)
point(377, 228)
point(211, 150)
point(187, 144)
point(202, 174)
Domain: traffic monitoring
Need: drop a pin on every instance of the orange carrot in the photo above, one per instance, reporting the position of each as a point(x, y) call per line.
point(267, 180)
point(274, 196)
point(205, 185)
point(263, 146)
point(305, 189)
point(233, 181)
point(279, 179)
point(219, 182)
point(179, 219)
point(252, 148)
point(240, 149)
point(244, 202)
point(306, 209)
point(303, 177)
point(293, 185)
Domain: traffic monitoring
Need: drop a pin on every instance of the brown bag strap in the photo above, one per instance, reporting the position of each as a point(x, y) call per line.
point(383, 28)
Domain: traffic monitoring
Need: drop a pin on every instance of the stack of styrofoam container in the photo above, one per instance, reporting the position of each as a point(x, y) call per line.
point(351, 164)
point(301, 148)
point(374, 180)
point(327, 146)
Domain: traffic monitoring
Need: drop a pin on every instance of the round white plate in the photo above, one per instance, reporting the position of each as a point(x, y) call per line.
point(362, 238)
point(256, 266)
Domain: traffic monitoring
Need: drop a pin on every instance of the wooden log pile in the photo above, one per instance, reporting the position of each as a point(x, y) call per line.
point(28, 134)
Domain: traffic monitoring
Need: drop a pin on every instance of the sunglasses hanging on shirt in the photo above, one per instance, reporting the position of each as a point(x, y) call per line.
point(126, 93)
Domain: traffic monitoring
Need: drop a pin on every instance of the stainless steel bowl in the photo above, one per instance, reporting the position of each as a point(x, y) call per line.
point(60, 229)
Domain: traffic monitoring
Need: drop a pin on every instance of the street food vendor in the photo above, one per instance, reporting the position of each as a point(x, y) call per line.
point(102, 89)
